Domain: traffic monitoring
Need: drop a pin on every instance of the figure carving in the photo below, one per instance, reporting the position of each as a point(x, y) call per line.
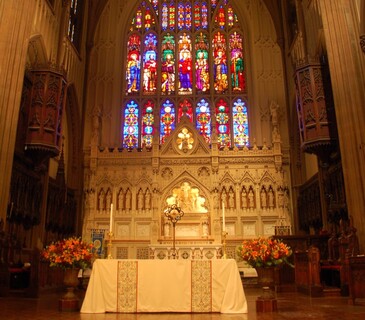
point(108, 200)
point(101, 200)
point(121, 200)
point(140, 200)
point(274, 113)
point(251, 199)
point(263, 199)
point(244, 199)
point(147, 200)
point(128, 197)
point(231, 199)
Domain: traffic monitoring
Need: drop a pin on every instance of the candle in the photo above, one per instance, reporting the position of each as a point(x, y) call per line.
point(111, 218)
point(223, 217)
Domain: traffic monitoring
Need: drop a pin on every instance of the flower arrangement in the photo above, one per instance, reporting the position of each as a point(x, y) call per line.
point(69, 253)
point(264, 252)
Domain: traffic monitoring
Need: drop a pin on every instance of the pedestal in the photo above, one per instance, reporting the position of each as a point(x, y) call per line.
point(68, 305)
point(267, 301)
point(70, 301)
point(266, 305)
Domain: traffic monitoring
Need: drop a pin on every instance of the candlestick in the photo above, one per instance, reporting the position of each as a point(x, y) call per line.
point(111, 219)
point(224, 236)
point(223, 218)
point(109, 249)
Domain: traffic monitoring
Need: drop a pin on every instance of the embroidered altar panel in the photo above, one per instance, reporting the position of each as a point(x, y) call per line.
point(201, 286)
point(127, 286)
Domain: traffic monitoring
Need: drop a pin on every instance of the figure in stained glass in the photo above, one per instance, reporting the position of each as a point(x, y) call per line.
point(133, 72)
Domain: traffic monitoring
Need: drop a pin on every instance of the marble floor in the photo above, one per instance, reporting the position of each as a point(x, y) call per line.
point(291, 305)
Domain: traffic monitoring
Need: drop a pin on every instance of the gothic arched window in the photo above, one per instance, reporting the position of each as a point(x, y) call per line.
point(184, 58)
point(75, 21)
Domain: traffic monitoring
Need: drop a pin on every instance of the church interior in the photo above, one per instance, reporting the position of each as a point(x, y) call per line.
point(246, 116)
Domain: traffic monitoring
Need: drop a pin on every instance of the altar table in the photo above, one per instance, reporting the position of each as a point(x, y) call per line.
point(133, 286)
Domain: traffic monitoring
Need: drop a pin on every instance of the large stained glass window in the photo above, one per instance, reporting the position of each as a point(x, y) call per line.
point(184, 59)
point(75, 22)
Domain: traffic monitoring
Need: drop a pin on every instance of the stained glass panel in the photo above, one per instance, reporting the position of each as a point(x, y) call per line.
point(168, 65)
point(240, 123)
point(185, 65)
point(130, 131)
point(133, 63)
point(185, 109)
point(220, 63)
point(167, 120)
point(150, 64)
point(201, 64)
point(237, 67)
point(148, 122)
point(193, 49)
point(222, 123)
point(203, 119)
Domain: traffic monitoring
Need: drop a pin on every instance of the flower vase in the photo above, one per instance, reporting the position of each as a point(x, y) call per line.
point(266, 279)
point(71, 281)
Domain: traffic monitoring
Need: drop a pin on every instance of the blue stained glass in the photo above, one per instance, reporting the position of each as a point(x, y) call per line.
point(240, 123)
point(130, 132)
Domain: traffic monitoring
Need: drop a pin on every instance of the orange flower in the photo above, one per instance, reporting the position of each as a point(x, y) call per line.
point(69, 253)
point(263, 252)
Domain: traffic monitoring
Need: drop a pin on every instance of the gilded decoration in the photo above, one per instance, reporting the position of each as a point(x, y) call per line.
point(127, 286)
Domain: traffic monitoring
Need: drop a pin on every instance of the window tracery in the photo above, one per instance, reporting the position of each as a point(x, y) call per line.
point(185, 58)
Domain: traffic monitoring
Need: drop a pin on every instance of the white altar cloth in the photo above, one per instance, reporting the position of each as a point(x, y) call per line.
point(164, 286)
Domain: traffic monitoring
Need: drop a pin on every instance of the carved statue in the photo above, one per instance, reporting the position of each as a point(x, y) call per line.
point(251, 199)
point(121, 200)
point(140, 200)
point(231, 199)
point(101, 200)
point(263, 199)
point(108, 200)
point(96, 124)
point(244, 199)
point(224, 198)
point(147, 200)
point(166, 229)
point(274, 113)
point(128, 197)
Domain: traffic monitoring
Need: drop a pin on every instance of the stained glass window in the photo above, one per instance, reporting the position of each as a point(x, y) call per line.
point(203, 119)
point(130, 131)
point(185, 58)
point(223, 123)
point(75, 22)
point(148, 120)
point(167, 120)
point(240, 123)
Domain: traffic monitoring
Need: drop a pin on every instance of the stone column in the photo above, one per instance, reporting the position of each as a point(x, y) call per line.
point(346, 62)
point(16, 19)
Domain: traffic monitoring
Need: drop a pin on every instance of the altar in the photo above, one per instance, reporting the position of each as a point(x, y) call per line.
point(133, 286)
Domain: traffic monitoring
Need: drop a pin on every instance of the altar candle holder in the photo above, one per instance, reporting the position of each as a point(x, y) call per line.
point(110, 236)
point(224, 236)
